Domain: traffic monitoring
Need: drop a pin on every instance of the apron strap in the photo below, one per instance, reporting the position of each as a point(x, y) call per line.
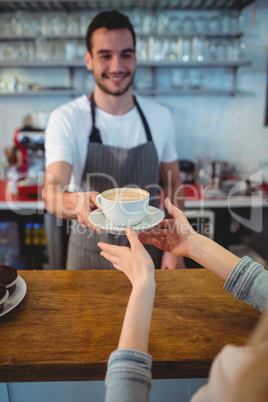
point(95, 132)
point(143, 118)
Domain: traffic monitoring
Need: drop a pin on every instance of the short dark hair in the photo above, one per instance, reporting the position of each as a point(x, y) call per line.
point(109, 20)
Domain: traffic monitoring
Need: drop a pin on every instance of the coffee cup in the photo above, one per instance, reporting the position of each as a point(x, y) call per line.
point(125, 206)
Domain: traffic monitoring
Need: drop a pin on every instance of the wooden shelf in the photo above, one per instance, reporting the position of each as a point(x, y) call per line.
point(140, 91)
point(7, 38)
point(148, 5)
point(149, 64)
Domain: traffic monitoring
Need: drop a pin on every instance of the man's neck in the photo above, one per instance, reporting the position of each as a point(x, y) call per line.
point(116, 105)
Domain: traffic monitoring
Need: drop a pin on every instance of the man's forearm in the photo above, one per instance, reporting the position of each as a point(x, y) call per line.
point(60, 203)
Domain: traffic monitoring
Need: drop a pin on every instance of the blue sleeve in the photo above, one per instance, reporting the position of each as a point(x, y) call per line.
point(248, 281)
point(128, 378)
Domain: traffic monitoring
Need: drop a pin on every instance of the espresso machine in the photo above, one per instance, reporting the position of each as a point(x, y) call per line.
point(29, 145)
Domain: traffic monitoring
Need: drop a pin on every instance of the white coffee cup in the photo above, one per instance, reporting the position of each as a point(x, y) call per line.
point(125, 206)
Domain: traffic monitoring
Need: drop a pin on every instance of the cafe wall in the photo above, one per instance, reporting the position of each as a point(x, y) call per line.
point(230, 128)
point(212, 127)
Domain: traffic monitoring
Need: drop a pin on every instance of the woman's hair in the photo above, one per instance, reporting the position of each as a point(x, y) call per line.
point(251, 385)
point(109, 20)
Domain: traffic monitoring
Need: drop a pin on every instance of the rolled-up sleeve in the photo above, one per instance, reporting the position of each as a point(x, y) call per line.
point(128, 377)
point(248, 281)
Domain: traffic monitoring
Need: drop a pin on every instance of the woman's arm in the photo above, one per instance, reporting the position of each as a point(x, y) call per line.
point(178, 237)
point(128, 377)
point(136, 263)
point(245, 279)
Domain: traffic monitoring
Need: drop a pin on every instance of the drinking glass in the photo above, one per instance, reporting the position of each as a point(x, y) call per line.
point(233, 50)
point(36, 23)
point(43, 50)
point(22, 53)
point(79, 49)
point(188, 24)
point(196, 79)
point(2, 47)
point(176, 78)
point(6, 26)
point(11, 51)
point(243, 50)
point(62, 24)
point(69, 50)
point(212, 50)
point(160, 49)
point(162, 22)
point(175, 24)
point(221, 50)
point(148, 23)
point(234, 22)
point(52, 24)
point(214, 24)
point(142, 49)
point(31, 50)
point(198, 49)
point(186, 79)
point(172, 51)
point(74, 24)
point(180, 48)
point(136, 19)
point(201, 24)
point(186, 50)
point(229, 22)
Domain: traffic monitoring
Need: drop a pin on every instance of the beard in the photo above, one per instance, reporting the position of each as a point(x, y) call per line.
point(106, 90)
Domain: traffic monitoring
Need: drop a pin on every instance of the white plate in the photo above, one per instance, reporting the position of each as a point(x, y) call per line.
point(151, 219)
point(16, 297)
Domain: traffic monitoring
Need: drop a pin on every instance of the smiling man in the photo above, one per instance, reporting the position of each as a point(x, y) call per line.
point(111, 138)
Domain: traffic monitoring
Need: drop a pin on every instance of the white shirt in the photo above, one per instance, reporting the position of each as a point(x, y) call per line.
point(69, 127)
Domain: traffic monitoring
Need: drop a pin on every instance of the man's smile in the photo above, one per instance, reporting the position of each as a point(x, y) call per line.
point(116, 78)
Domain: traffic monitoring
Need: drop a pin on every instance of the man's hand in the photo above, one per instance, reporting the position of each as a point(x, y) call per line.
point(171, 261)
point(64, 204)
point(86, 203)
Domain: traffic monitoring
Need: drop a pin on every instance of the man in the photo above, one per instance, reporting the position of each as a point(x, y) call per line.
point(108, 139)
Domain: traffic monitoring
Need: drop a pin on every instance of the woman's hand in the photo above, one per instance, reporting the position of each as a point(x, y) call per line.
point(135, 262)
point(175, 236)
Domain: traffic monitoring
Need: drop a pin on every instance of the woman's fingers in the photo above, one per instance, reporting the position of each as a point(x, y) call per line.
point(175, 212)
point(110, 248)
point(132, 237)
point(110, 257)
point(116, 266)
point(159, 242)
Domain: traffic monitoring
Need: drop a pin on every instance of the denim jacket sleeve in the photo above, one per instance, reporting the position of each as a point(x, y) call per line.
point(248, 281)
point(128, 378)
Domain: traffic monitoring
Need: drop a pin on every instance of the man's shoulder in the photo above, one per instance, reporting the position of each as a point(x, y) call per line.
point(73, 108)
point(152, 106)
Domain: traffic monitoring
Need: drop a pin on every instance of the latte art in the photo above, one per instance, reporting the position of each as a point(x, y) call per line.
point(125, 195)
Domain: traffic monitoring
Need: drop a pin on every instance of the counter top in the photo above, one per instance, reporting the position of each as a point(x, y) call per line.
point(194, 198)
point(69, 322)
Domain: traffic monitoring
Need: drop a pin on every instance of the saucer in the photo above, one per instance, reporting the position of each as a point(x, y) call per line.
point(152, 218)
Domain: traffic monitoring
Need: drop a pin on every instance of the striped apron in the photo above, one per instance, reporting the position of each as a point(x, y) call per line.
point(108, 167)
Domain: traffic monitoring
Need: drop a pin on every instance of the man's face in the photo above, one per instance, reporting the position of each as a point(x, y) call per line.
point(113, 60)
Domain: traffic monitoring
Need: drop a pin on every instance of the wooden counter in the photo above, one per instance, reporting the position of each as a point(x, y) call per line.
point(69, 322)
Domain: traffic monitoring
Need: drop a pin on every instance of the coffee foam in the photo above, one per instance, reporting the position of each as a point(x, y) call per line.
point(125, 195)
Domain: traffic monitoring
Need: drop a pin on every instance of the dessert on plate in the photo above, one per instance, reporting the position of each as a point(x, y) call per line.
point(9, 277)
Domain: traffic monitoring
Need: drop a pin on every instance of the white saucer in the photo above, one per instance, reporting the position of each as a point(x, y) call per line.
point(16, 297)
point(151, 219)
